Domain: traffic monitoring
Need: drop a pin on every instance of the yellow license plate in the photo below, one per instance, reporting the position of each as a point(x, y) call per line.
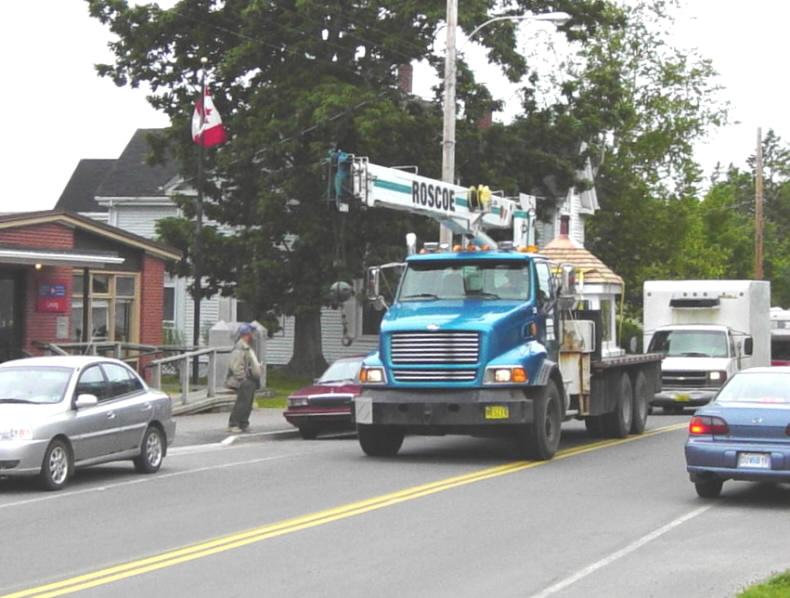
point(682, 398)
point(497, 412)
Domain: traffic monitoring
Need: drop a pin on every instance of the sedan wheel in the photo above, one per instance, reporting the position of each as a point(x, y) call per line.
point(152, 452)
point(56, 467)
point(708, 488)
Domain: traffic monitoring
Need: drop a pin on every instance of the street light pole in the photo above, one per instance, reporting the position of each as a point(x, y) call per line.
point(450, 77)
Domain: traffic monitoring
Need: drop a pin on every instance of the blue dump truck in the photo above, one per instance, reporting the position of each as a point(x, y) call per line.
point(491, 338)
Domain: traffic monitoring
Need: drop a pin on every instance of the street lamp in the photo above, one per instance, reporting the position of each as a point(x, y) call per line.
point(450, 75)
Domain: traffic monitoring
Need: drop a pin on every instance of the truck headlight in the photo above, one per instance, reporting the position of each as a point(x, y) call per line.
point(718, 377)
point(372, 375)
point(506, 375)
point(16, 433)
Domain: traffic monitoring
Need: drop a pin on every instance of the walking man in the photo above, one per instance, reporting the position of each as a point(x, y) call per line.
point(244, 376)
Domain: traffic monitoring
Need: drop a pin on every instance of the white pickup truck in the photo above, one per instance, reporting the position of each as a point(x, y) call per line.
point(707, 330)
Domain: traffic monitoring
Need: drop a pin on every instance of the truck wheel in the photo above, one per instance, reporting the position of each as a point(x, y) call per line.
point(379, 441)
point(594, 425)
point(617, 423)
point(641, 404)
point(541, 439)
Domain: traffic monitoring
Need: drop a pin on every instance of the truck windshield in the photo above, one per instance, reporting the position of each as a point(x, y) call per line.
point(780, 349)
point(489, 280)
point(689, 343)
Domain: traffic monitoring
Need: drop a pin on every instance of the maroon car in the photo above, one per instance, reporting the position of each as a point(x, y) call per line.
point(326, 405)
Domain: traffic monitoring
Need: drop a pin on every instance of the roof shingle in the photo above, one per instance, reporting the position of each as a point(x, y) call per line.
point(79, 193)
point(132, 176)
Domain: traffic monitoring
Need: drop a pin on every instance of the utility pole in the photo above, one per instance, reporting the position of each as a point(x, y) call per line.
point(758, 209)
point(448, 137)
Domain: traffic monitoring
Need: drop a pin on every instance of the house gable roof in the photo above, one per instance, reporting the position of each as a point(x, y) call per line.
point(79, 193)
point(132, 176)
point(72, 220)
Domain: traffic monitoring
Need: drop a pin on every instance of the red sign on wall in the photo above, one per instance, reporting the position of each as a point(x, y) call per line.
point(52, 298)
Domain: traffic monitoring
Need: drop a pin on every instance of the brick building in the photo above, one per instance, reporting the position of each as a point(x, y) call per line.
point(66, 278)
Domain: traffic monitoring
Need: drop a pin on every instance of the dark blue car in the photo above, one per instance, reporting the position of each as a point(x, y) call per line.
point(744, 434)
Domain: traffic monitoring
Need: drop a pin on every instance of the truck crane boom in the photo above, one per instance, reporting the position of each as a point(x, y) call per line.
point(467, 212)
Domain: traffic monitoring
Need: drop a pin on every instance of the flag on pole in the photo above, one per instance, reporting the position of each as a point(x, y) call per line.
point(207, 127)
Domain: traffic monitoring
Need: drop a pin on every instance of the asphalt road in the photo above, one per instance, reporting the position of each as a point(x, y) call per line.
point(450, 516)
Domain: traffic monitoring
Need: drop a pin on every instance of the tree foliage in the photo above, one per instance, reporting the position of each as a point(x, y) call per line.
point(294, 77)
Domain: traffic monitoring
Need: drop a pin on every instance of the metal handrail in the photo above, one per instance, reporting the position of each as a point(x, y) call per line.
point(185, 358)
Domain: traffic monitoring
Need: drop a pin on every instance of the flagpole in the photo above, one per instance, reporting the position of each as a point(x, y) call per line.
point(196, 248)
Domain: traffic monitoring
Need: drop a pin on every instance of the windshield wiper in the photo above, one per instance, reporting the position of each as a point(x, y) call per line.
point(484, 294)
point(17, 401)
point(421, 296)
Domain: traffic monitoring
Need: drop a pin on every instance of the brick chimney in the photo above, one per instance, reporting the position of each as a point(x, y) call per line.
point(486, 120)
point(405, 76)
point(565, 225)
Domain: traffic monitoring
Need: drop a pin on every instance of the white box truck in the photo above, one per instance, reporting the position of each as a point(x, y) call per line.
point(707, 330)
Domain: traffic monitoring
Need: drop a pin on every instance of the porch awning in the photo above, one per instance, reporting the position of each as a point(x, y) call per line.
point(59, 257)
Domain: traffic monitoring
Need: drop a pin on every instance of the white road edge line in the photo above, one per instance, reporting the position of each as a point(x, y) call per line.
point(143, 480)
point(632, 547)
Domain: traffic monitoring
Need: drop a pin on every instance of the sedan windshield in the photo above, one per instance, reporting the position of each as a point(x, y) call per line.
point(343, 370)
point(689, 343)
point(757, 388)
point(35, 385)
point(453, 280)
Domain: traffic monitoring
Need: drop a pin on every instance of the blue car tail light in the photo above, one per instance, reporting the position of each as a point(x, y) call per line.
point(708, 426)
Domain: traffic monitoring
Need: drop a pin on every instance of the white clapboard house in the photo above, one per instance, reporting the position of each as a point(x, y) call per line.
point(131, 194)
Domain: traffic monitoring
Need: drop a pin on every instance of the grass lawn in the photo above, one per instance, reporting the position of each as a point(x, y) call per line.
point(281, 384)
point(776, 587)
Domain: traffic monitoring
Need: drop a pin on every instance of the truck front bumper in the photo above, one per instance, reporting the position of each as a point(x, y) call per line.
point(684, 397)
point(440, 411)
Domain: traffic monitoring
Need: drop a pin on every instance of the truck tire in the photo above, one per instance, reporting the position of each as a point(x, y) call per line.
point(379, 441)
point(541, 439)
point(594, 425)
point(641, 407)
point(617, 423)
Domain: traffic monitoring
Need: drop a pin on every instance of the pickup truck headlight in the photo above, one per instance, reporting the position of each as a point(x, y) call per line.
point(16, 433)
point(372, 375)
point(506, 375)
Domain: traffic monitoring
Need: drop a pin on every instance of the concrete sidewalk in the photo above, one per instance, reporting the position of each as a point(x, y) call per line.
point(210, 428)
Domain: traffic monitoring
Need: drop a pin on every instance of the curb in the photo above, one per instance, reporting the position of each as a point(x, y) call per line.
point(253, 437)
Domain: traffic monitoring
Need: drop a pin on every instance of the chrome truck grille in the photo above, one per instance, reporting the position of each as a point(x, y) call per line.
point(434, 348)
point(465, 375)
point(684, 379)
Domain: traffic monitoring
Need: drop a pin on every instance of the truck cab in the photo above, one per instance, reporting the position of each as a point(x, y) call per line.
point(707, 331)
point(474, 325)
point(698, 360)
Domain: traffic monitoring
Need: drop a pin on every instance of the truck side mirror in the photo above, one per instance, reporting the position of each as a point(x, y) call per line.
point(373, 283)
point(748, 346)
point(339, 293)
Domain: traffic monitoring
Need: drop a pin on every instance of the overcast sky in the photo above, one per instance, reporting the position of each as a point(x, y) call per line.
point(56, 110)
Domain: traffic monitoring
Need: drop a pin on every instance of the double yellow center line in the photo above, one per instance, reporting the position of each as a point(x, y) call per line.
point(265, 532)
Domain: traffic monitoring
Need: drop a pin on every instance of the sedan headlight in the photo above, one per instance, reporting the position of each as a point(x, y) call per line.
point(372, 375)
point(16, 433)
point(298, 402)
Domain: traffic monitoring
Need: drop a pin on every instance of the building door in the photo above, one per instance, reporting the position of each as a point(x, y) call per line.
point(10, 317)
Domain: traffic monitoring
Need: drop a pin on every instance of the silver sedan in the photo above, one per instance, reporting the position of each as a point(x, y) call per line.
point(61, 413)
